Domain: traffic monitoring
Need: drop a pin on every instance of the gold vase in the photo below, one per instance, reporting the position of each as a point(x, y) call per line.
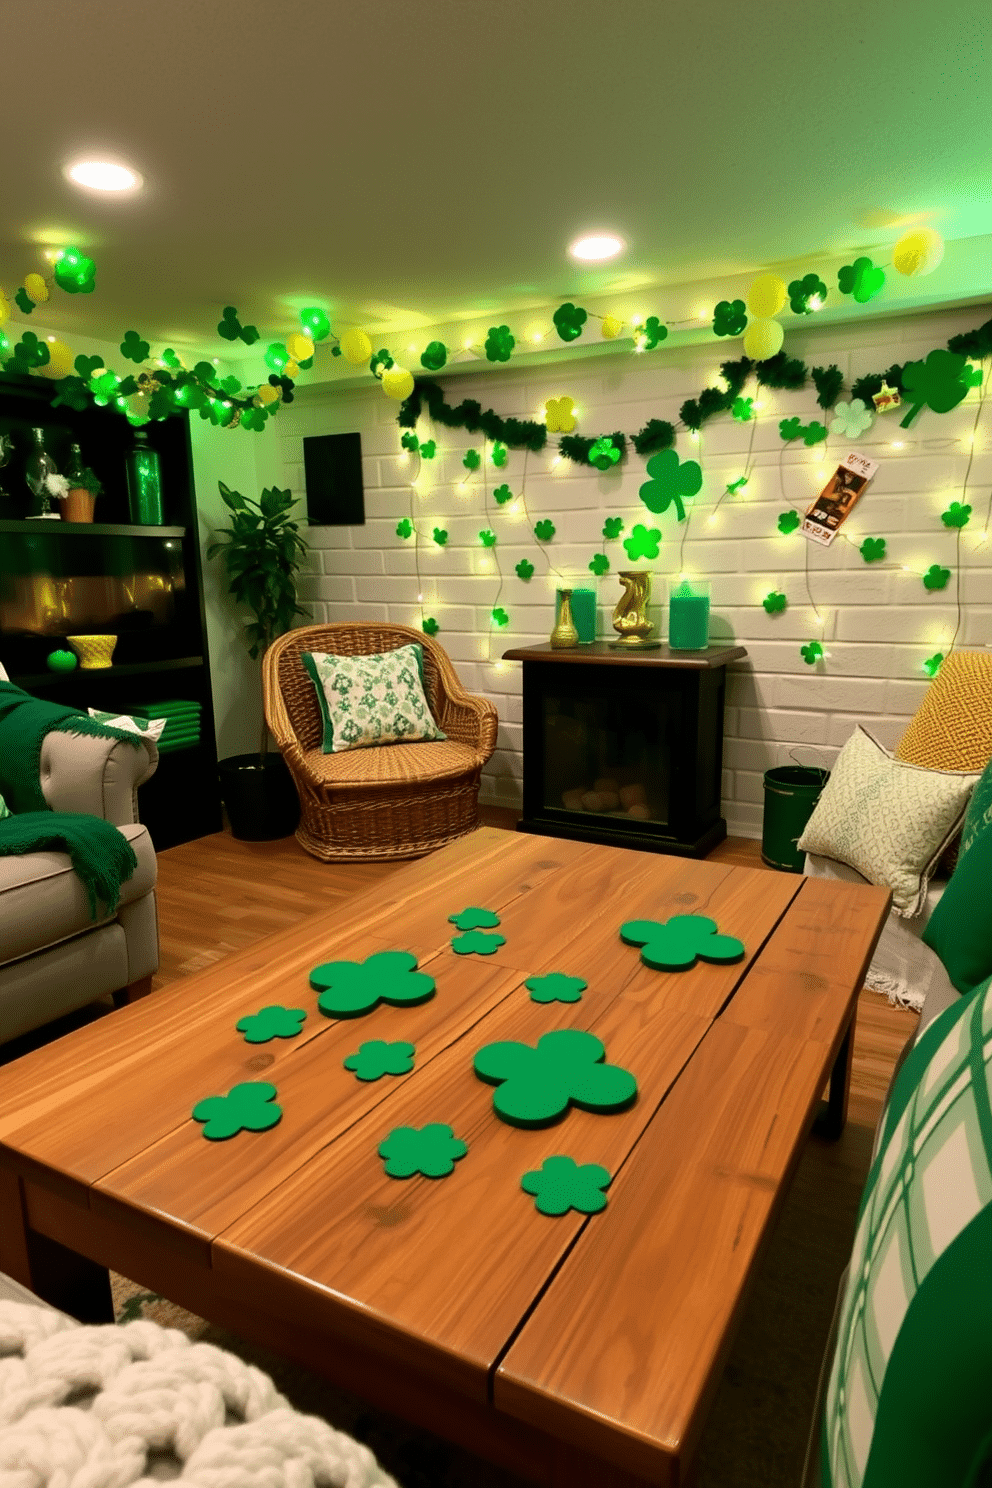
point(564, 634)
point(630, 618)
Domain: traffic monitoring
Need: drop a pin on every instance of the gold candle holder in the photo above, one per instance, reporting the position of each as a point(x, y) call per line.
point(630, 618)
point(565, 635)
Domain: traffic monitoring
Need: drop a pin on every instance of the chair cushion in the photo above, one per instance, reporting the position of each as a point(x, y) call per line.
point(371, 700)
point(43, 901)
point(386, 765)
point(952, 727)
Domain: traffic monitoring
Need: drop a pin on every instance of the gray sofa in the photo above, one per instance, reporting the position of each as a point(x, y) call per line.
point(53, 957)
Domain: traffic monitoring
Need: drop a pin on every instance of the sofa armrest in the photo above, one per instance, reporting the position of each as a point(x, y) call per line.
point(80, 772)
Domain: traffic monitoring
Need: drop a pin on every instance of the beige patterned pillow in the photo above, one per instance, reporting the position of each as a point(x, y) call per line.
point(889, 820)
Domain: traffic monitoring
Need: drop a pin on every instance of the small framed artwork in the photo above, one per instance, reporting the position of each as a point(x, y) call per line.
point(332, 470)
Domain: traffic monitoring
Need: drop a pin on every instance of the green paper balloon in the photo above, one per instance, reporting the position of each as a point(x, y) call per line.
point(434, 356)
point(62, 661)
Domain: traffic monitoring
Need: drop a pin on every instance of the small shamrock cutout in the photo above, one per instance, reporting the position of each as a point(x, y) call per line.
point(404, 528)
point(487, 537)
point(670, 482)
point(434, 356)
point(499, 455)
point(851, 419)
point(473, 918)
point(537, 1085)
point(428, 449)
point(272, 1022)
point(956, 515)
point(555, 987)
point(134, 348)
point(861, 279)
point(246, 1107)
point(380, 363)
point(604, 454)
point(794, 428)
point(410, 442)
point(23, 301)
point(30, 352)
point(730, 318)
point(502, 495)
point(612, 528)
point(524, 569)
point(440, 536)
point(253, 418)
point(775, 602)
point(971, 376)
point(741, 409)
point(559, 416)
point(231, 329)
point(377, 1058)
point(652, 333)
point(430, 626)
point(801, 291)
point(811, 653)
point(103, 387)
point(642, 542)
point(87, 365)
point(544, 531)
point(872, 549)
point(500, 617)
point(472, 459)
point(430, 1150)
point(936, 577)
point(813, 433)
point(790, 428)
point(349, 988)
point(561, 1184)
point(569, 320)
point(676, 944)
point(933, 663)
point(599, 564)
point(477, 943)
point(499, 344)
point(935, 383)
point(788, 521)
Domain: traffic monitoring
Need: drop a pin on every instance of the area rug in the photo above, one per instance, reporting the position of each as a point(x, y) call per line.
point(757, 1428)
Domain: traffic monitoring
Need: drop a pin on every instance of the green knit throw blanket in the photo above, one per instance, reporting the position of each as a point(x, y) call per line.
point(101, 855)
point(24, 722)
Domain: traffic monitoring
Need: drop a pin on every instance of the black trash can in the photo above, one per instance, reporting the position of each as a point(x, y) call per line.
point(791, 792)
point(260, 796)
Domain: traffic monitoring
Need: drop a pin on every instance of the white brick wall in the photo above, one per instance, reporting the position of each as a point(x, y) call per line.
point(879, 623)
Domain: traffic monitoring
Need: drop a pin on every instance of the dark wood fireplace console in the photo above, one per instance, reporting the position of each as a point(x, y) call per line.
point(625, 748)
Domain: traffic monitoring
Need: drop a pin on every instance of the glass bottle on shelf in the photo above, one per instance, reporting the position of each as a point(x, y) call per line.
point(38, 468)
point(144, 482)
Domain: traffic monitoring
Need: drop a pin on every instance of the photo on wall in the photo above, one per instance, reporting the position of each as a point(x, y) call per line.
point(332, 471)
point(831, 509)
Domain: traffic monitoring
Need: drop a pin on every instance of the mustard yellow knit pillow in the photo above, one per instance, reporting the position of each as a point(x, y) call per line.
point(952, 727)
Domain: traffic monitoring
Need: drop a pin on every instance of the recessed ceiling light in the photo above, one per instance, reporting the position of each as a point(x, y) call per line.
point(596, 247)
point(103, 175)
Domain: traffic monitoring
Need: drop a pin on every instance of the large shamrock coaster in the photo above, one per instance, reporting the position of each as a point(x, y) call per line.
point(555, 987)
point(538, 1085)
point(669, 482)
point(431, 1150)
point(246, 1107)
point(377, 1058)
point(272, 1022)
point(561, 1184)
point(477, 941)
point(349, 988)
point(675, 944)
point(473, 918)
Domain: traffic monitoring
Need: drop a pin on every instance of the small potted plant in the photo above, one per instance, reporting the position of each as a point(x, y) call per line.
point(76, 493)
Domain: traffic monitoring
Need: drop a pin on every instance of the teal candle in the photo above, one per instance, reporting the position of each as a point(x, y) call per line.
point(584, 614)
point(688, 619)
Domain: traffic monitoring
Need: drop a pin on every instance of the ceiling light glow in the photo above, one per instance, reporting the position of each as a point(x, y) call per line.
point(597, 247)
point(103, 175)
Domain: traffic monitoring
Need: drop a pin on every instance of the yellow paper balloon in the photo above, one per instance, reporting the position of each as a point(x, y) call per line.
point(766, 296)
point(4, 307)
point(291, 369)
point(356, 347)
point(36, 288)
point(60, 360)
point(397, 383)
point(918, 252)
point(299, 347)
point(763, 339)
point(267, 394)
point(612, 326)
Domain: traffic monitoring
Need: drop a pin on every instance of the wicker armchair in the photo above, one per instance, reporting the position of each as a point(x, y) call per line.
point(388, 801)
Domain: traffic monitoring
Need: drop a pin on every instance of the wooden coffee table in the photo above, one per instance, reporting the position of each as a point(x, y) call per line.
point(577, 1350)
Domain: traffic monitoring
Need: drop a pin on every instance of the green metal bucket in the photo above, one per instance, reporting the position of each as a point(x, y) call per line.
point(791, 792)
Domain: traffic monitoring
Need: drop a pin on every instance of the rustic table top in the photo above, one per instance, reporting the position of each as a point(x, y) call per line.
point(607, 1331)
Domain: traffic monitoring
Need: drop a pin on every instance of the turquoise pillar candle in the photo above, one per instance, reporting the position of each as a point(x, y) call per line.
point(689, 615)
point(584, 614)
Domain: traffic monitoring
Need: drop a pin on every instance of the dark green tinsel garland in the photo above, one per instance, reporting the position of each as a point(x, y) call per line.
point(576, 447)
point(828, 382)
point(516, 433)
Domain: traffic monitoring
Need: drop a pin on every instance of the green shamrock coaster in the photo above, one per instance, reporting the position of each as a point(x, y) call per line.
point(350, 988)
point(272, 1022)
point(537, 1086)
point(555, 987)
point(561, 1184)
point(377, 1058)
point(477, 941)
point(675, 944)
point(245, 1107)
point(474, 919)
point(431, 1150)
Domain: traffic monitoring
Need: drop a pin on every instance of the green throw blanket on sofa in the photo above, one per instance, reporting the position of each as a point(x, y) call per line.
point(101, 855)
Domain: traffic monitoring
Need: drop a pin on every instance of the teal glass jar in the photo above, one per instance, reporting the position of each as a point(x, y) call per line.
point(144, 482)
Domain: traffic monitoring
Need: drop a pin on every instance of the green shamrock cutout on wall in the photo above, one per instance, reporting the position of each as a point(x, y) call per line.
point(404, 528)
point(790, 428)
point(474, 918)
point(559, 415)
point(524, 569)
point(544, 531)
point(74, 273)
point(410, 442)
point(477, 943)
point(555, 987)
point(956, 515)
point(794, 428)
point(933, 663)
point(730, 318)
point(231, 329)
point(434, 356)
point(23, 301)
point(499, 344)
point(971, 376)
point(380, 362)
point(487, 537)
point(936, 577)
point(246, 1107)
point(429, 1150)
point(569, 320)
point(934, 383)
point(502, 495)
point(377, 1058)
point(253, 418)
point(472, 459)
point(612, 528)
point(428, 449)
point(30, 352)
point(536, 1086)
point(440, 536)
point(350, 988)
point(561, 1184)
point(604, 453)
point(500, 617)
point(599, 564)
point(652, 333)
point(430, 626)
point(801, 291)
point(676, 944)
point(852, 419)
point(87, 365)
point(811, 653)
point(872, 549)
point(500, 453)
point(788, 521)
point(642, 542)
point(104, 387)
point(671, 480)
point(271, 1022)
point(134, 348)
point(741, 409)
point(862, 280)
point(775, 602)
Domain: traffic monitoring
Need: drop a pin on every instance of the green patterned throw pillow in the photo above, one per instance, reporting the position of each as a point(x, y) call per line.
point(377, 699)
